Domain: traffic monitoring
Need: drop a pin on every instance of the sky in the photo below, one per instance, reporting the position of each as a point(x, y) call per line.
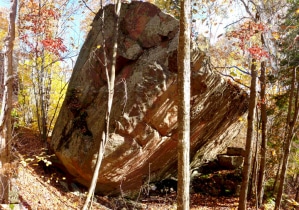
point(5, 3)
point(214, 25)
point(217, 25)
point(73, 31)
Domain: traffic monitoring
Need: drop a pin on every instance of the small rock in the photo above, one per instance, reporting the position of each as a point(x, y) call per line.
point(230, 162)
point(235, 151)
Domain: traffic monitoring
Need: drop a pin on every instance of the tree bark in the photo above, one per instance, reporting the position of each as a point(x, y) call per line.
point(260, 186)
point(249, 139)
point(5, 118)
point(290, 135)
point(184, 106)
point(105, 134)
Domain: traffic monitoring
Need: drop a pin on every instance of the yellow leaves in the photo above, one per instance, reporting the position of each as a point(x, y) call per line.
point(2, 36)
point(276, 35)
point(37, 158)
point(238, 80)
point(297, 11)
point(292, 202)
point(24, 163)
point(31, 4)
point(44, 159)
point(29, 159)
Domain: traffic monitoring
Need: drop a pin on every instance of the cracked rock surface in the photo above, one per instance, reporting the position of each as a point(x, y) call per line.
point(143, 131)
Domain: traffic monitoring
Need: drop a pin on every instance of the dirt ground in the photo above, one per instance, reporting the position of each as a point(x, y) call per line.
point(41, 185)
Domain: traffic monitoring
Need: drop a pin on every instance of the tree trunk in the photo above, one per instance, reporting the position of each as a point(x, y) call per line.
point(5, 118)
point(289, 138)
point(297, 194)
point(260, 185)
point(274, 188)
point(249, 139)
point(42, 95)
point(110, 83)
point(184, 106)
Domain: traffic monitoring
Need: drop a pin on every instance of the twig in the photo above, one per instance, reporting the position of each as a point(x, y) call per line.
point(231, 67)
point(236, 21)
point(247, 9)
point(226, 75)
point(88, 7)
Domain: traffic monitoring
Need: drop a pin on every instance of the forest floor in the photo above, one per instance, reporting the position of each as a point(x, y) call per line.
point(46, 187)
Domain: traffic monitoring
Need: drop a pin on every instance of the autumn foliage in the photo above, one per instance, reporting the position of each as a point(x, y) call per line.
point(247, 35)
point(36, 31)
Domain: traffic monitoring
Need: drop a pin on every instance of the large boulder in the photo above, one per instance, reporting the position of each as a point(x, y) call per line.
point(143, 131)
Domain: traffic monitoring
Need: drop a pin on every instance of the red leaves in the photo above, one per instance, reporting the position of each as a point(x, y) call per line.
point(54, 45)
point(37, 29)
point(245, 34)
point(258, 52)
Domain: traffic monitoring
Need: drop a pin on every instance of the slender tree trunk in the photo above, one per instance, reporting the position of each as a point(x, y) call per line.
point(41, 94)
point(184, 106)
point(260, 185)
point(105, 134)
point(290, 136)
point(5, 118)
point(252, 185)
point(274, 188)
point(249, 139)
point(1, 75)
point(297, 195)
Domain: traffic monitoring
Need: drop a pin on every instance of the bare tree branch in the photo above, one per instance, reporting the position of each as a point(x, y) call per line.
point(226, 75)
point(231, 67)
point(247, 8)
point(88, 7)
point(237, 21)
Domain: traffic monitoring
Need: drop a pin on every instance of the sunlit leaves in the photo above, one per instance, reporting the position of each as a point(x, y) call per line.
point(248, 33)
point(258, 53)
point(276, 35)
point(2, 35)
point(3, 27)
point(170, 6)
point(54, 45)
point(37, 28)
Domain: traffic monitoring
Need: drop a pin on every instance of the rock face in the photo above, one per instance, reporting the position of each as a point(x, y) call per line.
point(143, 138)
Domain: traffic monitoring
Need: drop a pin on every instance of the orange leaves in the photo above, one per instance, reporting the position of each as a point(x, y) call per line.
point(51, 13)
